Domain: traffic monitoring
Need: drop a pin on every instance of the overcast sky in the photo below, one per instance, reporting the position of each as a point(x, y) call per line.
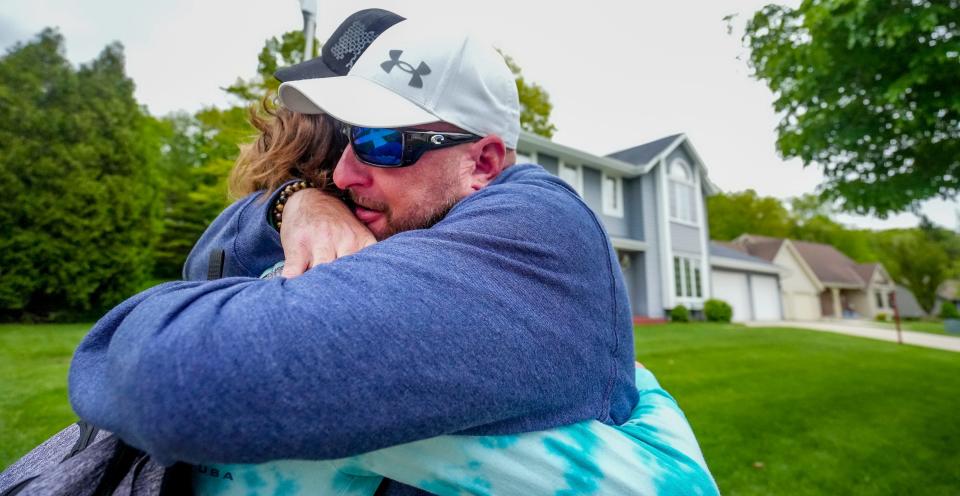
point(619, 73)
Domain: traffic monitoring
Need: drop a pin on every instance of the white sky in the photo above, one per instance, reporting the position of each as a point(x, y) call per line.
point(619, 73)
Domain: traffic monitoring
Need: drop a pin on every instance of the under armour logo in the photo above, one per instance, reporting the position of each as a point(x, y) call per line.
point(416, 80)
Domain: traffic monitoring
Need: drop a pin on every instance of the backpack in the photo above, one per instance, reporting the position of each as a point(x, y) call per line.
point(82, 460)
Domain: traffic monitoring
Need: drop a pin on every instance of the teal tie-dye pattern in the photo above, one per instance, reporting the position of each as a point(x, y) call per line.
point(655, 452)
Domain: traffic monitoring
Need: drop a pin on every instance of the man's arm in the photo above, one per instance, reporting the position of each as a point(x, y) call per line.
point(250, 243)
point(496, 319)
point(655, 452)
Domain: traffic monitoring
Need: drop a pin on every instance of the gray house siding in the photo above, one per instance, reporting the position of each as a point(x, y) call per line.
point(651, 257)
point(634, 274)
point(593, 195)
point(549, 162)
point(685, 238)
point(635, 209)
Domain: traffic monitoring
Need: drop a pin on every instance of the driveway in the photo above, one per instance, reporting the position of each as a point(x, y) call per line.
point(866, 329)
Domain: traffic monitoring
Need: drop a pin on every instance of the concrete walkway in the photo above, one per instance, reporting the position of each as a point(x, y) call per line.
point(868, 330)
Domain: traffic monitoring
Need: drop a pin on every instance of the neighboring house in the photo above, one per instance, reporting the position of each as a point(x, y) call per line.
point(821, 281)
point(907, 304)
point(751, 285)
point(947, 292)
point(800, 288)
point(651, 200)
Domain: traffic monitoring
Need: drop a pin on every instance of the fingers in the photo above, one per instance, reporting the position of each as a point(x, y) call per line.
point(293, 267)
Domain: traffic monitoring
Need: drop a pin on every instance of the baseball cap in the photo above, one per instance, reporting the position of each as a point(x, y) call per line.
point(417, 73)
point(344, 46)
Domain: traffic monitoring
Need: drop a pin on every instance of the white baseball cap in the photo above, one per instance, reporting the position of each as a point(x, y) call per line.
point(415, 73)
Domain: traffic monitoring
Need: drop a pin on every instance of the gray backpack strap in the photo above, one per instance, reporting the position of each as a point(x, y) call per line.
point(215, 264)
point(48, 455)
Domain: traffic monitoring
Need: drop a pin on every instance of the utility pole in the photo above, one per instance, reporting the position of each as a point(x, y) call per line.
point(309, 10)
point(896, 315)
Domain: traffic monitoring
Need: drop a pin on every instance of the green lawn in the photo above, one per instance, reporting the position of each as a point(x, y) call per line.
point(777, 411)
point(784, 411)
point(33, 384)
point(931, 326)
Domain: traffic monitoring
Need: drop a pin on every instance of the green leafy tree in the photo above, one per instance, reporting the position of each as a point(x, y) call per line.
point(868, 91)
point(277, 52)
point(535, 106)
point(733, 214)
point(918, 263)
point(78, 184)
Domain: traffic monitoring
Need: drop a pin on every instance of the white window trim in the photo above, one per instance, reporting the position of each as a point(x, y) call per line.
point(693, 191)
point(532, 155)
point(579, 186)
point(608, 209)
point(696, 262)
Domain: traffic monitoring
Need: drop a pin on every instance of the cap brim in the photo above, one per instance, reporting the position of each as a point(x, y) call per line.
point(354, 100)
point(311, 69)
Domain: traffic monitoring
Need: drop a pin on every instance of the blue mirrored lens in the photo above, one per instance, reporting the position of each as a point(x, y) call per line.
point(377, 146)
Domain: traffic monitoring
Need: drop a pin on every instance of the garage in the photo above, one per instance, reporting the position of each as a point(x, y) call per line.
point(766, 297)
point(732, 288)
point(749, 284)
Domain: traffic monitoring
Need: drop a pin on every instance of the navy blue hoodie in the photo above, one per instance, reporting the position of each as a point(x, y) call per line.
point(509, 315)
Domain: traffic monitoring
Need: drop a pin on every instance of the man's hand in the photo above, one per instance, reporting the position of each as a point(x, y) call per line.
point(318, 228)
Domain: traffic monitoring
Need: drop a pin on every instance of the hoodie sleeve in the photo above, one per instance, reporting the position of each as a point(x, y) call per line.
point(243, 236)
point(507, 316)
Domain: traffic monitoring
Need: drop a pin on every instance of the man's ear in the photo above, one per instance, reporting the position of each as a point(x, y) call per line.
point(489, 158)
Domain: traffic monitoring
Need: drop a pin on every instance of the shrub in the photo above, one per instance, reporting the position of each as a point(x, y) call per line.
point(717, 311)
point(881, 317)
point(949, 311)
point(680, 313)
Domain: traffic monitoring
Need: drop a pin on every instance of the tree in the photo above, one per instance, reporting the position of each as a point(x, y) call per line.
point(918, 263)
point(535, 106)
point(78, 184)
point(733, 214)
point(276, 53)
point(867, 90)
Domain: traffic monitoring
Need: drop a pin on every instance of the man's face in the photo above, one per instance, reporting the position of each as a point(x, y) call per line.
point(392, 200)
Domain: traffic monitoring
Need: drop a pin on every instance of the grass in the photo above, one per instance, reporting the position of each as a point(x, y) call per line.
point(33, 384)
point(929, 326)
point(777, 411)
point(785, 411)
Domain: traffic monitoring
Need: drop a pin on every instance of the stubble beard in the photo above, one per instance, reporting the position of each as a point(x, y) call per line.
point(424, 216)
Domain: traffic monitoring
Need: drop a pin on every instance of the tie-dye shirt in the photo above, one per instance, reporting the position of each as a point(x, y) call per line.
point(655, 452)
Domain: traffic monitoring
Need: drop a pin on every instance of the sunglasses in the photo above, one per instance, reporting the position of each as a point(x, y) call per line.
point(384, 147)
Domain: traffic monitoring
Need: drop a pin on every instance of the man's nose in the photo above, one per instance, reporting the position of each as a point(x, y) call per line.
point(350, 171)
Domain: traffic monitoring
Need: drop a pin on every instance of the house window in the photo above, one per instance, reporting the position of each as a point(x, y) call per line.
point(879, 299)
point(612, 193)
point(682, 192)
point(687, 277)
point(525, 157)
point(573, 175)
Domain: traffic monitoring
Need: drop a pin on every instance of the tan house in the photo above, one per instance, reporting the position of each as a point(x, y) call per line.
point(820, 282)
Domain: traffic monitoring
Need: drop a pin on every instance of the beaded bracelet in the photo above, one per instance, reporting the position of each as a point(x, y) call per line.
point(285, 194)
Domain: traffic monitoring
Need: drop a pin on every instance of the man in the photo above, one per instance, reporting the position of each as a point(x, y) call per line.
point(494, 304)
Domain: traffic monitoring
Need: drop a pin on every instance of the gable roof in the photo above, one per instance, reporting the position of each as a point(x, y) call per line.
point(831, 266)
point(763, 247)
point(643, 154)
point(724, 256)
point(865, 271)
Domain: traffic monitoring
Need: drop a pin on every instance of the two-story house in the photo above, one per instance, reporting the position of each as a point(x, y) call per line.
point(652, 200)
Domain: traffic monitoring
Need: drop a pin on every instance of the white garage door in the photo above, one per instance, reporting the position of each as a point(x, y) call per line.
point(731, 287)
point(766, 297)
